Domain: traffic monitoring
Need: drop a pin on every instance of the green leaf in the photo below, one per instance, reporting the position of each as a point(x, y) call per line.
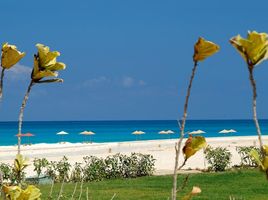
point(255, 155)
point(198, 143)
point(55, 80)
point(57, 66)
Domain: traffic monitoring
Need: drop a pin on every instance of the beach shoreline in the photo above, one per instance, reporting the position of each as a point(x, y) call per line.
point(162, 150)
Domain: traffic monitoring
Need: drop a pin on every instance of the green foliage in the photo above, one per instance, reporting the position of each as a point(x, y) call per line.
point(51, 170)
point(63, 168)
point(77, 172)
point(113, 166)
point(20, 163)
point(58, 171)
point(218, 158)
point(261, 160)
point(96, 169)
point(6, 170)
point(246, 158)
point(39, 165)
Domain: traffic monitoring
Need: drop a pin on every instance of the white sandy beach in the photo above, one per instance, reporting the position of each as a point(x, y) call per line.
point(162, 150)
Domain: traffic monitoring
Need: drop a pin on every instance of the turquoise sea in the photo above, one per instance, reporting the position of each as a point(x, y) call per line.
point(116, 131)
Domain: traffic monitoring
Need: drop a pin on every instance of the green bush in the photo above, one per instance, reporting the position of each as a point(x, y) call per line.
point(246, 159)
point(91, 169)
point(146, 165)
point(39, 165)
point(77, 173)
point(51, 170)
point(94, 169)
point(63, 169)
point(218, 158)
point(6, 170)
point(113, 167)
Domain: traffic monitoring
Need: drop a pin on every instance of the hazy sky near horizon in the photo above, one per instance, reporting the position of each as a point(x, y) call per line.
point(132, 59)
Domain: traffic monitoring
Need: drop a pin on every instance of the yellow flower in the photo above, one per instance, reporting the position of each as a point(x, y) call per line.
point(254, 49)
point(15, 192)
point(204, 49)
point(10, 55)
point(45, 64)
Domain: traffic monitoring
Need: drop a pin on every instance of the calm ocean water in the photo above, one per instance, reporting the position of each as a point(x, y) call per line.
point(115, 131)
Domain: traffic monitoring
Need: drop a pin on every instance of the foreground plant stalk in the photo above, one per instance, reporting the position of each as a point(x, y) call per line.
point(202, 50)
point(254, 105)
point(178, 144)
point(254, 50)
point(1, 82)
point(25, 99)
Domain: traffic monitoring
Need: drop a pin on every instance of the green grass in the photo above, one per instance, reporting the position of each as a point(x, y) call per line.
point(243, 185)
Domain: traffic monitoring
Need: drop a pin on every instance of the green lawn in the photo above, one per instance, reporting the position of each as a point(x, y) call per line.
point(243, 185)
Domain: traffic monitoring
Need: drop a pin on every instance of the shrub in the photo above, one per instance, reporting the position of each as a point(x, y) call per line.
point(94, 169)
point(113, 167)
point(63, 169)
point(6, 170)
point(218, 158)
point(51, 170)
point(39, 165)
point(246, 159)
point(146, 165)
point(97, 169)
point(77, 173)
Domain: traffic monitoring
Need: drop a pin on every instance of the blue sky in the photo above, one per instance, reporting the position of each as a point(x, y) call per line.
point(132, 59)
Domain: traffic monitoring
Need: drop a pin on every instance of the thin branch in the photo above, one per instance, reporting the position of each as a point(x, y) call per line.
point(81, 190)
point(74, 190)
point(87, 193)
point(184, 184)
point(1, 82)
point(113, 196)
point(254, 105)
point(182, 165)
point(51, 189)
point(61, 189)
point(21, 113)
point(182, 125)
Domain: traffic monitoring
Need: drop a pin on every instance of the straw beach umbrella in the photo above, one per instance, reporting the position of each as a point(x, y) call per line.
point(228, 131)
point(137, 133)
point(168, 132)
point(62, 133)
point(163, 132)
point(197, 132)
point(88, 133)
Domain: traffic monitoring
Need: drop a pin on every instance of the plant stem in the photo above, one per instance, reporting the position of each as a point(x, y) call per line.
point(74, 191)
point(1, 82)
point(81, 189)
point(21, 113)
point(61, 189)
point(182, 125)
point(254, 105)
